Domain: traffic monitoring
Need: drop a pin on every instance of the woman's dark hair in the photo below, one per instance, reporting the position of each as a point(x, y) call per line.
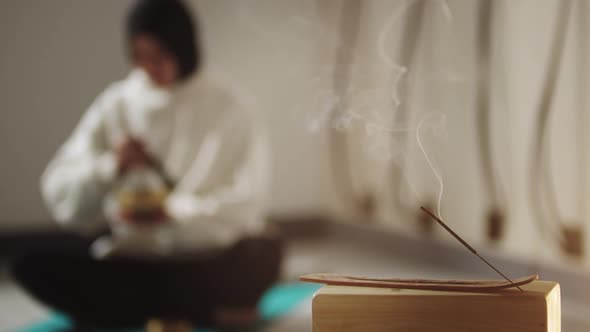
point(170, 22)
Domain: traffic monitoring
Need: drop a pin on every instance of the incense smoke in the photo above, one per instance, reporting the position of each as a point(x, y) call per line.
point(431, 165)
point(371, 109)
point(360, 108)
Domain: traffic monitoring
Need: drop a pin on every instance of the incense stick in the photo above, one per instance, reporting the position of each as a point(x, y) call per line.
point(448, 229)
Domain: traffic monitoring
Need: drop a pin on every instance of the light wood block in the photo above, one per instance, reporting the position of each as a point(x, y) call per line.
point(342, 308)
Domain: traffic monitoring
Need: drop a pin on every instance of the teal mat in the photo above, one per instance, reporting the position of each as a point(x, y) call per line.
point(276, 302)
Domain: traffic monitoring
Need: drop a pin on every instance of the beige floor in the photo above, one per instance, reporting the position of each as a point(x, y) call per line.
point(16, 309)
point(333, 255)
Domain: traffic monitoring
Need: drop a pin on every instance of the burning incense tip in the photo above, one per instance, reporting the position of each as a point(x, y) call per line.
point(465, 244)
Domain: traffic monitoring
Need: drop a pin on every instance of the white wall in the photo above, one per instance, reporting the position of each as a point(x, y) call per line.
point(58, 55)
point(266, 51)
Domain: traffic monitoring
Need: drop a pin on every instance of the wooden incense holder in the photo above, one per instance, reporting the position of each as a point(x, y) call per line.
point(432, 284)
point(353, 304)
point(371, 309)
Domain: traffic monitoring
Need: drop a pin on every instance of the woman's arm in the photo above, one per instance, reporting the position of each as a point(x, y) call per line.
point(220, 184)
point(76, 179)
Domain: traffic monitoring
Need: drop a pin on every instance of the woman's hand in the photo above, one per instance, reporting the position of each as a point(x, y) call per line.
point(131, 154)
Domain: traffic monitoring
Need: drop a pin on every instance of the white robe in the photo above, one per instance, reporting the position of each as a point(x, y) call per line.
point(208, 141)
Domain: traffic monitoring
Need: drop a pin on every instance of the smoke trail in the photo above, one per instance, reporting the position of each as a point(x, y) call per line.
point(387, 59)
point(431, 165)
point(358, 108)
point(401, 70)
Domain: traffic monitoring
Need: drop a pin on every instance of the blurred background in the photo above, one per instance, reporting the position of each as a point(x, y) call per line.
point(476, 109)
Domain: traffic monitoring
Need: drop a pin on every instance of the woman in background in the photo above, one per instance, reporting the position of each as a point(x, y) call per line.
point(170, 116)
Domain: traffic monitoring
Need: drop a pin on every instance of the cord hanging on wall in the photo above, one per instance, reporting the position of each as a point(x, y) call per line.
point(411, 38)
point(582, 84)
point(363, 203)
point(495, 215)
point(542, 191)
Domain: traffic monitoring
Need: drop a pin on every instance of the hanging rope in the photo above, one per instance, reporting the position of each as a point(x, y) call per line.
point(582, 84)
point(412, 35)
point(540, 164)
point(484, 51)
point(492, 183)
point(338, 141)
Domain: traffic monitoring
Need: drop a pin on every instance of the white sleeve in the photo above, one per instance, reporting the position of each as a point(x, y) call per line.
point(219, 186)
point(76, 179)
